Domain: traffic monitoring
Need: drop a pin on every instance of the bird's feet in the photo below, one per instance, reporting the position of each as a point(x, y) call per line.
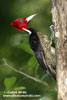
point(52, 33)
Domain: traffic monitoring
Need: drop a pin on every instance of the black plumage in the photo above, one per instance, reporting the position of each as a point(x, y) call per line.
point(40, 45)
point(37, 48)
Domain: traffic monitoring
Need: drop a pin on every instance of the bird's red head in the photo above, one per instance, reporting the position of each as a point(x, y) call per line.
point(22, 23)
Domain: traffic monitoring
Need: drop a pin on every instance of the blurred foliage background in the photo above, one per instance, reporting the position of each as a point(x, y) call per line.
point(14, 47)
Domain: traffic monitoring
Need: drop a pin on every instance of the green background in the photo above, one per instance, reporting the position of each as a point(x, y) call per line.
point(14, 47)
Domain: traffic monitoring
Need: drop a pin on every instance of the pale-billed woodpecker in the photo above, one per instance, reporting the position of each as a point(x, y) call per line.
point(39, 43)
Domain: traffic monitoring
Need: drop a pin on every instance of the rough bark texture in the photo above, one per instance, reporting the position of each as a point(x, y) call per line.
point(59, 17)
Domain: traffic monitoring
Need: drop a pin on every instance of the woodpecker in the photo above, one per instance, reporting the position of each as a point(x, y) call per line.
point(39, 43)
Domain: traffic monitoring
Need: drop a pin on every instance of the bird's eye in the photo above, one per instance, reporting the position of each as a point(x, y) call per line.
point(21, 20)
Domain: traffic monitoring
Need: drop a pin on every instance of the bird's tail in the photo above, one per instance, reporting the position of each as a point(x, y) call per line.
point(52, 72)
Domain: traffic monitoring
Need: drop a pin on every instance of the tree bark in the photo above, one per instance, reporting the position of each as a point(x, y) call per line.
point(59, 18)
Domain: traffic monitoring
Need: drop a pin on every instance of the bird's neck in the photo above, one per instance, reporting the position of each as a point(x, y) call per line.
point(33, 31)
point(34, 39)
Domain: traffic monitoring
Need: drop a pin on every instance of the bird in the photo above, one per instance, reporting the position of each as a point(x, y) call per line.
point(39, 43)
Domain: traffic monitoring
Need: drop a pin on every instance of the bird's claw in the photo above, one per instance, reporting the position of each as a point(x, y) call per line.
point(52, 33)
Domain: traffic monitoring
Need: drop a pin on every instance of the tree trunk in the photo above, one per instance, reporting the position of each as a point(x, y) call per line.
point(59, 18)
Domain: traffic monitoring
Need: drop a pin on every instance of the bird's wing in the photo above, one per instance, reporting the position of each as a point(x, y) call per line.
point(39, 55)
point(46, 57)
